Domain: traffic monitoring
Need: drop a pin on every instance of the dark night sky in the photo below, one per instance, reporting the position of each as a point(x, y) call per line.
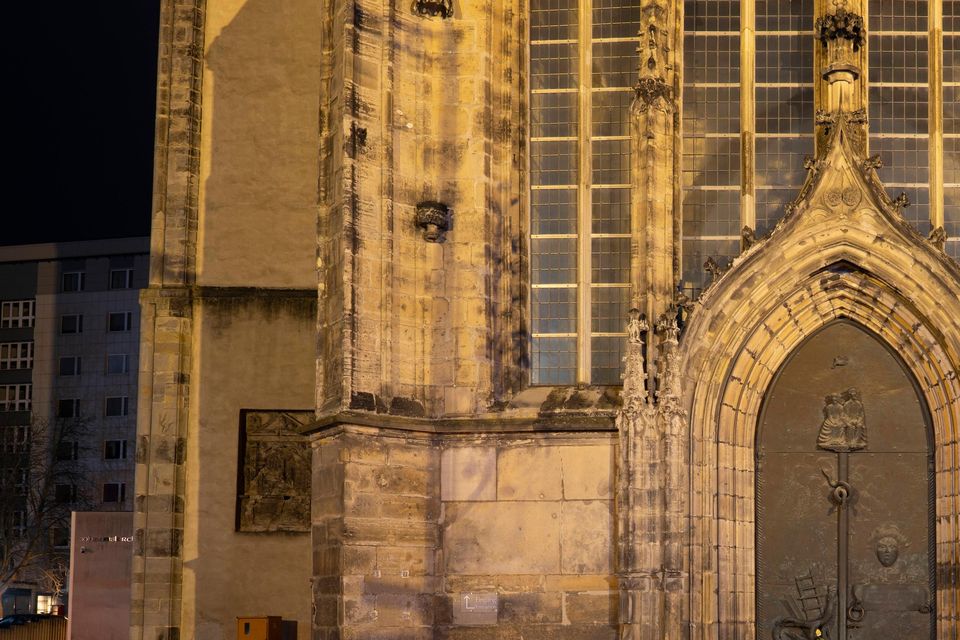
point(80, 115)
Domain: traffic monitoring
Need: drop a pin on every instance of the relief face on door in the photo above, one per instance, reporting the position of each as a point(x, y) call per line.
point(844, 490)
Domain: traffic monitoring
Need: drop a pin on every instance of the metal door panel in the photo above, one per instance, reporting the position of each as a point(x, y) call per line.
point(844, 485)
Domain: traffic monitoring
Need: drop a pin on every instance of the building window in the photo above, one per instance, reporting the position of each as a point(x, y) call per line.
point(16, 397)
point(116, 406)
point(70, 366)
point(114, 491)
point(68, 408)
point(16, 524)
point(16, 355)
point(16, 314)
point(45, 604)
point(13, 439)
point(115, 450)
point(65, 493)
point(14, 481)
point(118, 363)
point(121, 278)
point(580, 187)
point(779, 79)
point(120, 321)
point(72, 281)
point(68, 450)
point(60, 537)
point(71, 323)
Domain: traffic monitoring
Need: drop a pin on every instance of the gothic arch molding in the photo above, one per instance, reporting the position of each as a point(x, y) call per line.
point(859, 263)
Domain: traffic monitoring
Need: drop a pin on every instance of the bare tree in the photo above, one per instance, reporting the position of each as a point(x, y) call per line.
point(41, 481)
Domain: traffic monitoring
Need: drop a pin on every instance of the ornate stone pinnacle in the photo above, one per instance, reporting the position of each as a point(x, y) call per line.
point(634, 372)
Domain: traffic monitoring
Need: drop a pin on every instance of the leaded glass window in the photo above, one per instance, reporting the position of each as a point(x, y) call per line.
point(711, 136)
point(951, 125)
point(580, 186)
point(899, 101)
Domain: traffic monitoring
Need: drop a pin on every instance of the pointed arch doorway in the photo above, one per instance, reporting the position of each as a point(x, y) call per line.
point(844, 494)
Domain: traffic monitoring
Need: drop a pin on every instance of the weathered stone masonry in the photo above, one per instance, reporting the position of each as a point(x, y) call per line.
point(294, 268)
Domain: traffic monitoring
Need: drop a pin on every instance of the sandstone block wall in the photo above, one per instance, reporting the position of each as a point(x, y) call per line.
point(427, 536)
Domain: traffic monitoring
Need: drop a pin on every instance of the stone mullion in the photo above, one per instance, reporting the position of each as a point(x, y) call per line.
point(748, 128)
point(935, 106)
point(585, 177)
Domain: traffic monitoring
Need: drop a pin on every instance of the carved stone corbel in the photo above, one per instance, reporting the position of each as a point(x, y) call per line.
point(433, 218)
point(433, 8)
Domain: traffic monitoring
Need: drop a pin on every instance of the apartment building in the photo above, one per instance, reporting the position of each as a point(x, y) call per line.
point(69, 337)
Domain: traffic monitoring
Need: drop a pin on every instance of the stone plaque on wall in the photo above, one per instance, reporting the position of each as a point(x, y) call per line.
point(274, 472)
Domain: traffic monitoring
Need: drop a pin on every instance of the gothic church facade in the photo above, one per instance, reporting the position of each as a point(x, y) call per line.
point(553, 319)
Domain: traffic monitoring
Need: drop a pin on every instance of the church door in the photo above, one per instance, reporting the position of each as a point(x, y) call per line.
point(844, 483)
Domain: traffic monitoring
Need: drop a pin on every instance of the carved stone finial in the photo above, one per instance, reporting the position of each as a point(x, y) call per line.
point(667, 327)
point(434, 219)
point(873, 162)
point(938, 238)
point(636, 325)
point(841, 25)
point(901, 201)
point(654, 93)
point(748, 238)
point(714, 269)
point(683, 305)
point(825, 118)
point(433, 8)
point(858, 116)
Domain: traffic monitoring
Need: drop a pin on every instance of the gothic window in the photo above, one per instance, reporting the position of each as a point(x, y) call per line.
point(951, 125)
point(783, 73)
point(711, 137)
point(580, 186)
point(719, 197)
point(899, 101)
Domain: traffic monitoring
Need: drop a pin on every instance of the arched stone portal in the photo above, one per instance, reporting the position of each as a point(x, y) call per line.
point(843, 254)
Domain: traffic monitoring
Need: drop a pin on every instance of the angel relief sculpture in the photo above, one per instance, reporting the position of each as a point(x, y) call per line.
point(844, 423)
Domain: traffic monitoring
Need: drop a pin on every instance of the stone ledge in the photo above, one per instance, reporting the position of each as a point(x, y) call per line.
point(479, 424)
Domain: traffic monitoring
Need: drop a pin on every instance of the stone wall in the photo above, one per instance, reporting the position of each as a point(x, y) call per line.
point(413, 110)
point(496, 536)
point(228, 573)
